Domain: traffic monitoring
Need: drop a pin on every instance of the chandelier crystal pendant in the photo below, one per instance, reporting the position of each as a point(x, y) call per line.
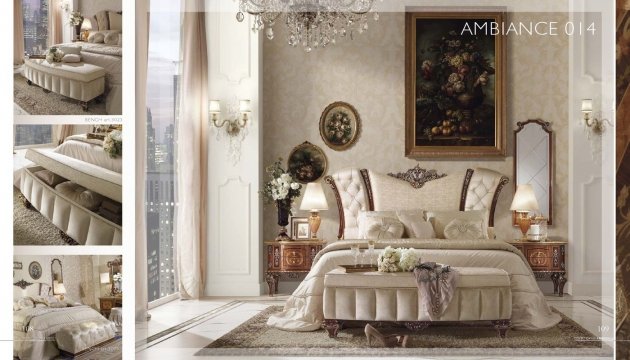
point(311, 23)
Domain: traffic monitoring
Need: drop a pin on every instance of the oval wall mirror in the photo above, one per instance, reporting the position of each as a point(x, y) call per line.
point(533, 161)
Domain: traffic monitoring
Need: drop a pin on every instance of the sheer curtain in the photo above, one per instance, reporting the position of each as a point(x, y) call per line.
point(142, 53)
point(18, 33)
point(62, 132)
point(55, 22)
point(192, 156)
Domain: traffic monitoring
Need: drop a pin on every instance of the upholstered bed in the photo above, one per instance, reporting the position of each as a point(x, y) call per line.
point(82, 192)
point(471, 191)
point(37, 317)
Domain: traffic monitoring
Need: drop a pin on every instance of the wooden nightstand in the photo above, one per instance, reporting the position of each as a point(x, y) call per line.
point(290, 258)
point(109, 302)
point(547, 259)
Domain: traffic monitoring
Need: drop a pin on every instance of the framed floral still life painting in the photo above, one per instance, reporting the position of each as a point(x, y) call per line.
point(339, 125)
point(454, 85)
point(307, 163)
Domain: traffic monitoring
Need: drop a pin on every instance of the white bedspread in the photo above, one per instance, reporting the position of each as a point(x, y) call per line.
point(36, 327)
point(303, 311)
point(89, 150)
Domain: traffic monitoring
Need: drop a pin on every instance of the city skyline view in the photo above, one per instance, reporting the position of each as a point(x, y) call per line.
point(35, 14)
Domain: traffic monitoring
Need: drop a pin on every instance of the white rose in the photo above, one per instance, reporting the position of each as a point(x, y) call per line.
point(295, 186)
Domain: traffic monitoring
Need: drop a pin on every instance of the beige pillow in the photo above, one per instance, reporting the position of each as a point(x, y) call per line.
point(71, 49)
point(111, 38)
point(26, 302)
point(50, 177)
point(115, 20)
point(365, 215)
point(71, 58)
point(96, 37)
point(459, 229)
point(82, 196)
point(440, 219)
point(416, 226)
point(384, 228)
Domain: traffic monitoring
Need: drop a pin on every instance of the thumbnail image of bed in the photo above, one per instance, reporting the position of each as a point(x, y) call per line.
point(67, 307)
point(68, 57)
point(67, 185)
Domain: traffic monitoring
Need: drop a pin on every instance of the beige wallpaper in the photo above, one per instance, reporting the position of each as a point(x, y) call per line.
point(369, 71)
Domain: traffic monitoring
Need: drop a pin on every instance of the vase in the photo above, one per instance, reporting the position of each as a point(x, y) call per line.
point(77, 32)
point(284, 206)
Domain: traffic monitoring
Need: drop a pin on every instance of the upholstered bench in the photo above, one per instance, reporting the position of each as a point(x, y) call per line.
point(79, 81)
point(482, 294)
point(74, 339)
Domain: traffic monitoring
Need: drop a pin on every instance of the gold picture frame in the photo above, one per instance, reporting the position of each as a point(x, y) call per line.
point(339, 125)
point(300, 229)
point(455, 86)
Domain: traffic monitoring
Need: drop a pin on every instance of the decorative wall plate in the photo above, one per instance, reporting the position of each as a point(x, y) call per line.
point(35, 270)
point(307, 163)
point(339, 125)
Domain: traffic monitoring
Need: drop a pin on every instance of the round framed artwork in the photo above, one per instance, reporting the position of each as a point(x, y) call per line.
point(307, 163)
point(339, 125)
point(35, 270)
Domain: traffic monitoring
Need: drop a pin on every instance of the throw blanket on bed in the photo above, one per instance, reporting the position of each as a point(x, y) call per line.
point(437, 284)
point(304, 309)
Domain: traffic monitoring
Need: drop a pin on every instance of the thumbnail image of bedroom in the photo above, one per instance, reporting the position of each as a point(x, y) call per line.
point(67, 185)
point(67, 57)
point(67, 307)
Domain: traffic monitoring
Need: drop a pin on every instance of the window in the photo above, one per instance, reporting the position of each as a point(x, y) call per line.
point(30, 135)
point(35, 14)
point(162, 86)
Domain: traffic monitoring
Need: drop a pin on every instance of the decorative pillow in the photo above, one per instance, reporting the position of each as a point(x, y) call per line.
point(82, 196)
point(58, 304)
point(111, 38)
point(26, 302)
point(71, 49)
point(16, 306)
point(115, 20)
point(415, 225)
point(71, 58)
point(440, 219)
point(459, 229)
point(102, 19)
point(90, 200)
point(384, 228)
point(50, 177)
point(96, 37)
point(365, 215)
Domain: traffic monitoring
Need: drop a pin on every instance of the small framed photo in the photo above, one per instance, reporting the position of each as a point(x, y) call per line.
point(300, 229)
point(17, 265)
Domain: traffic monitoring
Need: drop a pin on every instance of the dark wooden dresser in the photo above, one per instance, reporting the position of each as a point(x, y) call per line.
point(106, 303)
point(290, 259)
point(547, 259)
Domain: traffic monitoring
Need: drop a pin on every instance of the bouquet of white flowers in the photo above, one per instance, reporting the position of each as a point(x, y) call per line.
point(389, 259)
point(117, 277)
point(281, 189)
point(54, 55)
point(112, 144)
point(75, 18)
point(409, 258)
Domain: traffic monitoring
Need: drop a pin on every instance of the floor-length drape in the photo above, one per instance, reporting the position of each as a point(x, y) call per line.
point(55, 22)
point(192, 156)
point(63, 132)
point(142, 58)
point(18, 33)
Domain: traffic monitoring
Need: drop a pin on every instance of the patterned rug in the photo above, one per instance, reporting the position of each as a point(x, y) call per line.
point(34, 101)
point(32, 228)
point(254, 337)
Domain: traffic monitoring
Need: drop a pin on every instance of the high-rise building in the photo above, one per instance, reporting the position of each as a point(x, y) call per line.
point(32, 135)
point(151, 166)
point(35, 13)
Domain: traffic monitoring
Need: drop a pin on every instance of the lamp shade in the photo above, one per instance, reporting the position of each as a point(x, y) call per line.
point(105, 278)
point(587, 105)
point(314, 198)
point(524, 199)
point(86, 24)
point(244, 106)
point(59, 288)
point(214, 106)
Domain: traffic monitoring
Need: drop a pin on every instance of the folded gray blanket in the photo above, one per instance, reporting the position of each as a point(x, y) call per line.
point(437, 284)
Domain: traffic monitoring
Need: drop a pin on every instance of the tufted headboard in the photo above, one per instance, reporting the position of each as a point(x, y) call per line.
point(364, 190)
point(24, 288)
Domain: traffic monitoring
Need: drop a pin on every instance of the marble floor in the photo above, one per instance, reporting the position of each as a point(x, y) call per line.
point(179, 329)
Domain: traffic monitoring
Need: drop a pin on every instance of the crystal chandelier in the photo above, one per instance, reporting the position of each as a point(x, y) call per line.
point(311, 23)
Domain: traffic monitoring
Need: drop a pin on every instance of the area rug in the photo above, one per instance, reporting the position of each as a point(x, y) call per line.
point(32, 228)
point(34, 101)
point(254, 337)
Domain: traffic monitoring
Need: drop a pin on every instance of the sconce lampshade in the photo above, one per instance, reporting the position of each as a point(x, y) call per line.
point(105, 278)
point(524, 199)
point(314, 198)
point(587, 105)
point(86, 25)
point(244, 106)
point(215, 106)
point(59, 288)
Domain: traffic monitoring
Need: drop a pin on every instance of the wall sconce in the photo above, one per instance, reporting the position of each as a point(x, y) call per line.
point(597, 126)
point(235, 124)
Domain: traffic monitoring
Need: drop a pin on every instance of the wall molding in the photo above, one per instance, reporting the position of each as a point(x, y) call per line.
point(225, 240)
point(232, 66)
point(593, 181)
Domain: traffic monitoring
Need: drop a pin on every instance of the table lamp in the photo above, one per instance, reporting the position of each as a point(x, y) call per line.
point(524, 202)
point(59, 289)
point(314, 200)
point(86, 26)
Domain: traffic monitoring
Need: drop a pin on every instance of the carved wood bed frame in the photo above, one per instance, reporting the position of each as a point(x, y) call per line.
point(417, 177)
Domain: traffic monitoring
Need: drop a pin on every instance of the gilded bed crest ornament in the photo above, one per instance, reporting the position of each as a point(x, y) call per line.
point(417, 176)
point(23, 284)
